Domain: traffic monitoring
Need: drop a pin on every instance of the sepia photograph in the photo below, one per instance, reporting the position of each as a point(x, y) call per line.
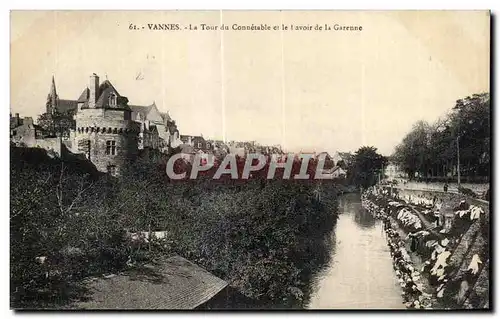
point(250, 160)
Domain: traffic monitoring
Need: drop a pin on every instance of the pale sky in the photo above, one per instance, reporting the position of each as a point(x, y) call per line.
point(306, 90)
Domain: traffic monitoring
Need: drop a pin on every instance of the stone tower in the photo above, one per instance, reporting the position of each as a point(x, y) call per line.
point(105, 132)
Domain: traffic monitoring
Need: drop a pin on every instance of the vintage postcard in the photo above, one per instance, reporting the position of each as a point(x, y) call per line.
point(201, 160)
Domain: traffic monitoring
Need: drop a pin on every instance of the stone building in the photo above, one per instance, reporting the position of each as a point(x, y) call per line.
point(219, 147)
point(198, 143)
point(392, 171)
point(15, 121)
point(100, 124)
point(149, 116)
point(105, 128)
point(105, 131)
point(24, 130)
point(152, 119)
point(149, 138)
point(25, 133)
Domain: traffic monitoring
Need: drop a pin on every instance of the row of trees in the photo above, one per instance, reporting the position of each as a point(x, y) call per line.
point(432, 150)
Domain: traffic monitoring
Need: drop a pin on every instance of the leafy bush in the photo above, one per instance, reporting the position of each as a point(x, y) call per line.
point(265, 240)
point(60, 212)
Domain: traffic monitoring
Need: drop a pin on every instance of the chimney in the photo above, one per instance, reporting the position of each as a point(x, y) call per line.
point(93, 90)
point(17, 116)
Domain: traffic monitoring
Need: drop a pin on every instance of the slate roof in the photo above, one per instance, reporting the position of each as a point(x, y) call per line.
point(345, 155)
point(64, 106)
point(166, 116)
point(140, 109)
point(103, 97)
point(176, 283)
point(84, 96)
point(327, 155)
point(104, 90)
point(144, 110)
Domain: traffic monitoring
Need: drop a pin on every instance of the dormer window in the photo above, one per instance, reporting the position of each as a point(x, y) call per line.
point(112, 99)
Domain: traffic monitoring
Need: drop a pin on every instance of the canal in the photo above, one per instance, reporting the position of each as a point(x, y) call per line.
point(360, 273)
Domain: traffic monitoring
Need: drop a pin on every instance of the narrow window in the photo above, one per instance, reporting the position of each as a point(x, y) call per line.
point(110, 147)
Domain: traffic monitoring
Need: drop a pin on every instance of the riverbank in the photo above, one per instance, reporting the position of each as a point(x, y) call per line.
point(479, 189)
point(449, 240)
point(417, 293)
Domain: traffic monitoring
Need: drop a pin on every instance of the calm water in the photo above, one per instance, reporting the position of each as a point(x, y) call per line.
point(360, 273)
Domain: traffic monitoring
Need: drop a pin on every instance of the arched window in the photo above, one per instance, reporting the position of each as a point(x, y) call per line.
point(112, 99)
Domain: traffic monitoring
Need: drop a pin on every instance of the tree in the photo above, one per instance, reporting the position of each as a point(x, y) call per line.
point(57, 123)
point(470, 121)
point(366, 166)
point(346, 161)
point(431, 149)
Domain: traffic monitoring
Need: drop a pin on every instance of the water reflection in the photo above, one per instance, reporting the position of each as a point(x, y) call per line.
point(325, 262)
point(350, 203)
point(363, 218)
point(359, 274)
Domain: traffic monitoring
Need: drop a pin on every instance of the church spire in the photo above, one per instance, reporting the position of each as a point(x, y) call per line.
point(52, 98)
point(53, 87)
